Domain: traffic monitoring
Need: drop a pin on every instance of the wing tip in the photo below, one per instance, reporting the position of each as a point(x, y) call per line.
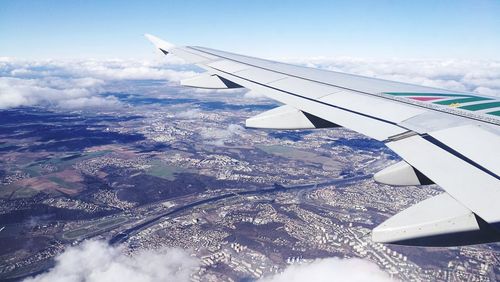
point(161, 44)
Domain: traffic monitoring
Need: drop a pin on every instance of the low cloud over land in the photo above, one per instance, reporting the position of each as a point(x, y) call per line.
point(218, 136)
point(331, 270)
point(96, 261)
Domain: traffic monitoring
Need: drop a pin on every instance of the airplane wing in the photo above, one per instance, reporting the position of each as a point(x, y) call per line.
point(447, 138)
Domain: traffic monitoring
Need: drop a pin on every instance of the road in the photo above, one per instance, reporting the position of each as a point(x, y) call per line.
point(124, 235)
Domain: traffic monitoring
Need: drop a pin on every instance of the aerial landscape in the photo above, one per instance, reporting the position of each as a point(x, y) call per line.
point(111, 170)
point(175, 167)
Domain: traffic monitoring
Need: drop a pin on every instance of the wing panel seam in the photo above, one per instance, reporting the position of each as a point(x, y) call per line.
point(350, 89)
point(313, 100)
point(457, 154)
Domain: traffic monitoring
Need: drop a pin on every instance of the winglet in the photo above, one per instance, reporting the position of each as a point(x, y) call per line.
point(160, 44)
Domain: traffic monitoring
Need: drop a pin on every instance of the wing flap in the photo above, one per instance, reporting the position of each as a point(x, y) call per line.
point(287, 117)
point(462, 179)
point(437, 221)
point(401, 174)
point(474, 142)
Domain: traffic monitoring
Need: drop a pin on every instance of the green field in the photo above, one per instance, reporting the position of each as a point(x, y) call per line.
point(16, 192)
point(74, 234)
point(111, 222)
point(34, 170)
point(24, 192)
point(286, 152)
point(295, 154)
point(62, 183)
point(168, 172)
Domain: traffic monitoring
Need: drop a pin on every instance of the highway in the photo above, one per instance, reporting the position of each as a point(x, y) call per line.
point(124, 235)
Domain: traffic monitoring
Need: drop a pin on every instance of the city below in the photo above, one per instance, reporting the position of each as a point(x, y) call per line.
point(180, 170)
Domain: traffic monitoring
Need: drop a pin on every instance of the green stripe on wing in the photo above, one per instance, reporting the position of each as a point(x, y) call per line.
point(427, 94)
point(481, 106)
point(453, 100)
point(462, 100)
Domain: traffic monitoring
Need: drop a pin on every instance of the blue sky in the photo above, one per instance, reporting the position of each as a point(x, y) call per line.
point(276, 29)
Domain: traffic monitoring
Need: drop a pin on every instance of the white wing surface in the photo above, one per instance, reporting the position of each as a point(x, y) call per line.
point(445, 137)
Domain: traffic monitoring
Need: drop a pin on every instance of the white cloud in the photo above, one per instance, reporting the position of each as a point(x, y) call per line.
point(129, 70)
point(189, 114)
point(255, 95)
point(96, 261)
point(218, 137)
point(27, 92)
point(75, 84)
point(99, 69)
point(460, 75)
point(58, 83)
point(90, 102)
point(331, 269)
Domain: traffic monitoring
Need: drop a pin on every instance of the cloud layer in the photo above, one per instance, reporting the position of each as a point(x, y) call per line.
point(331, 269)
point(482, 77)
point(96, 261)
point(75, 84)
point(78, 84)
